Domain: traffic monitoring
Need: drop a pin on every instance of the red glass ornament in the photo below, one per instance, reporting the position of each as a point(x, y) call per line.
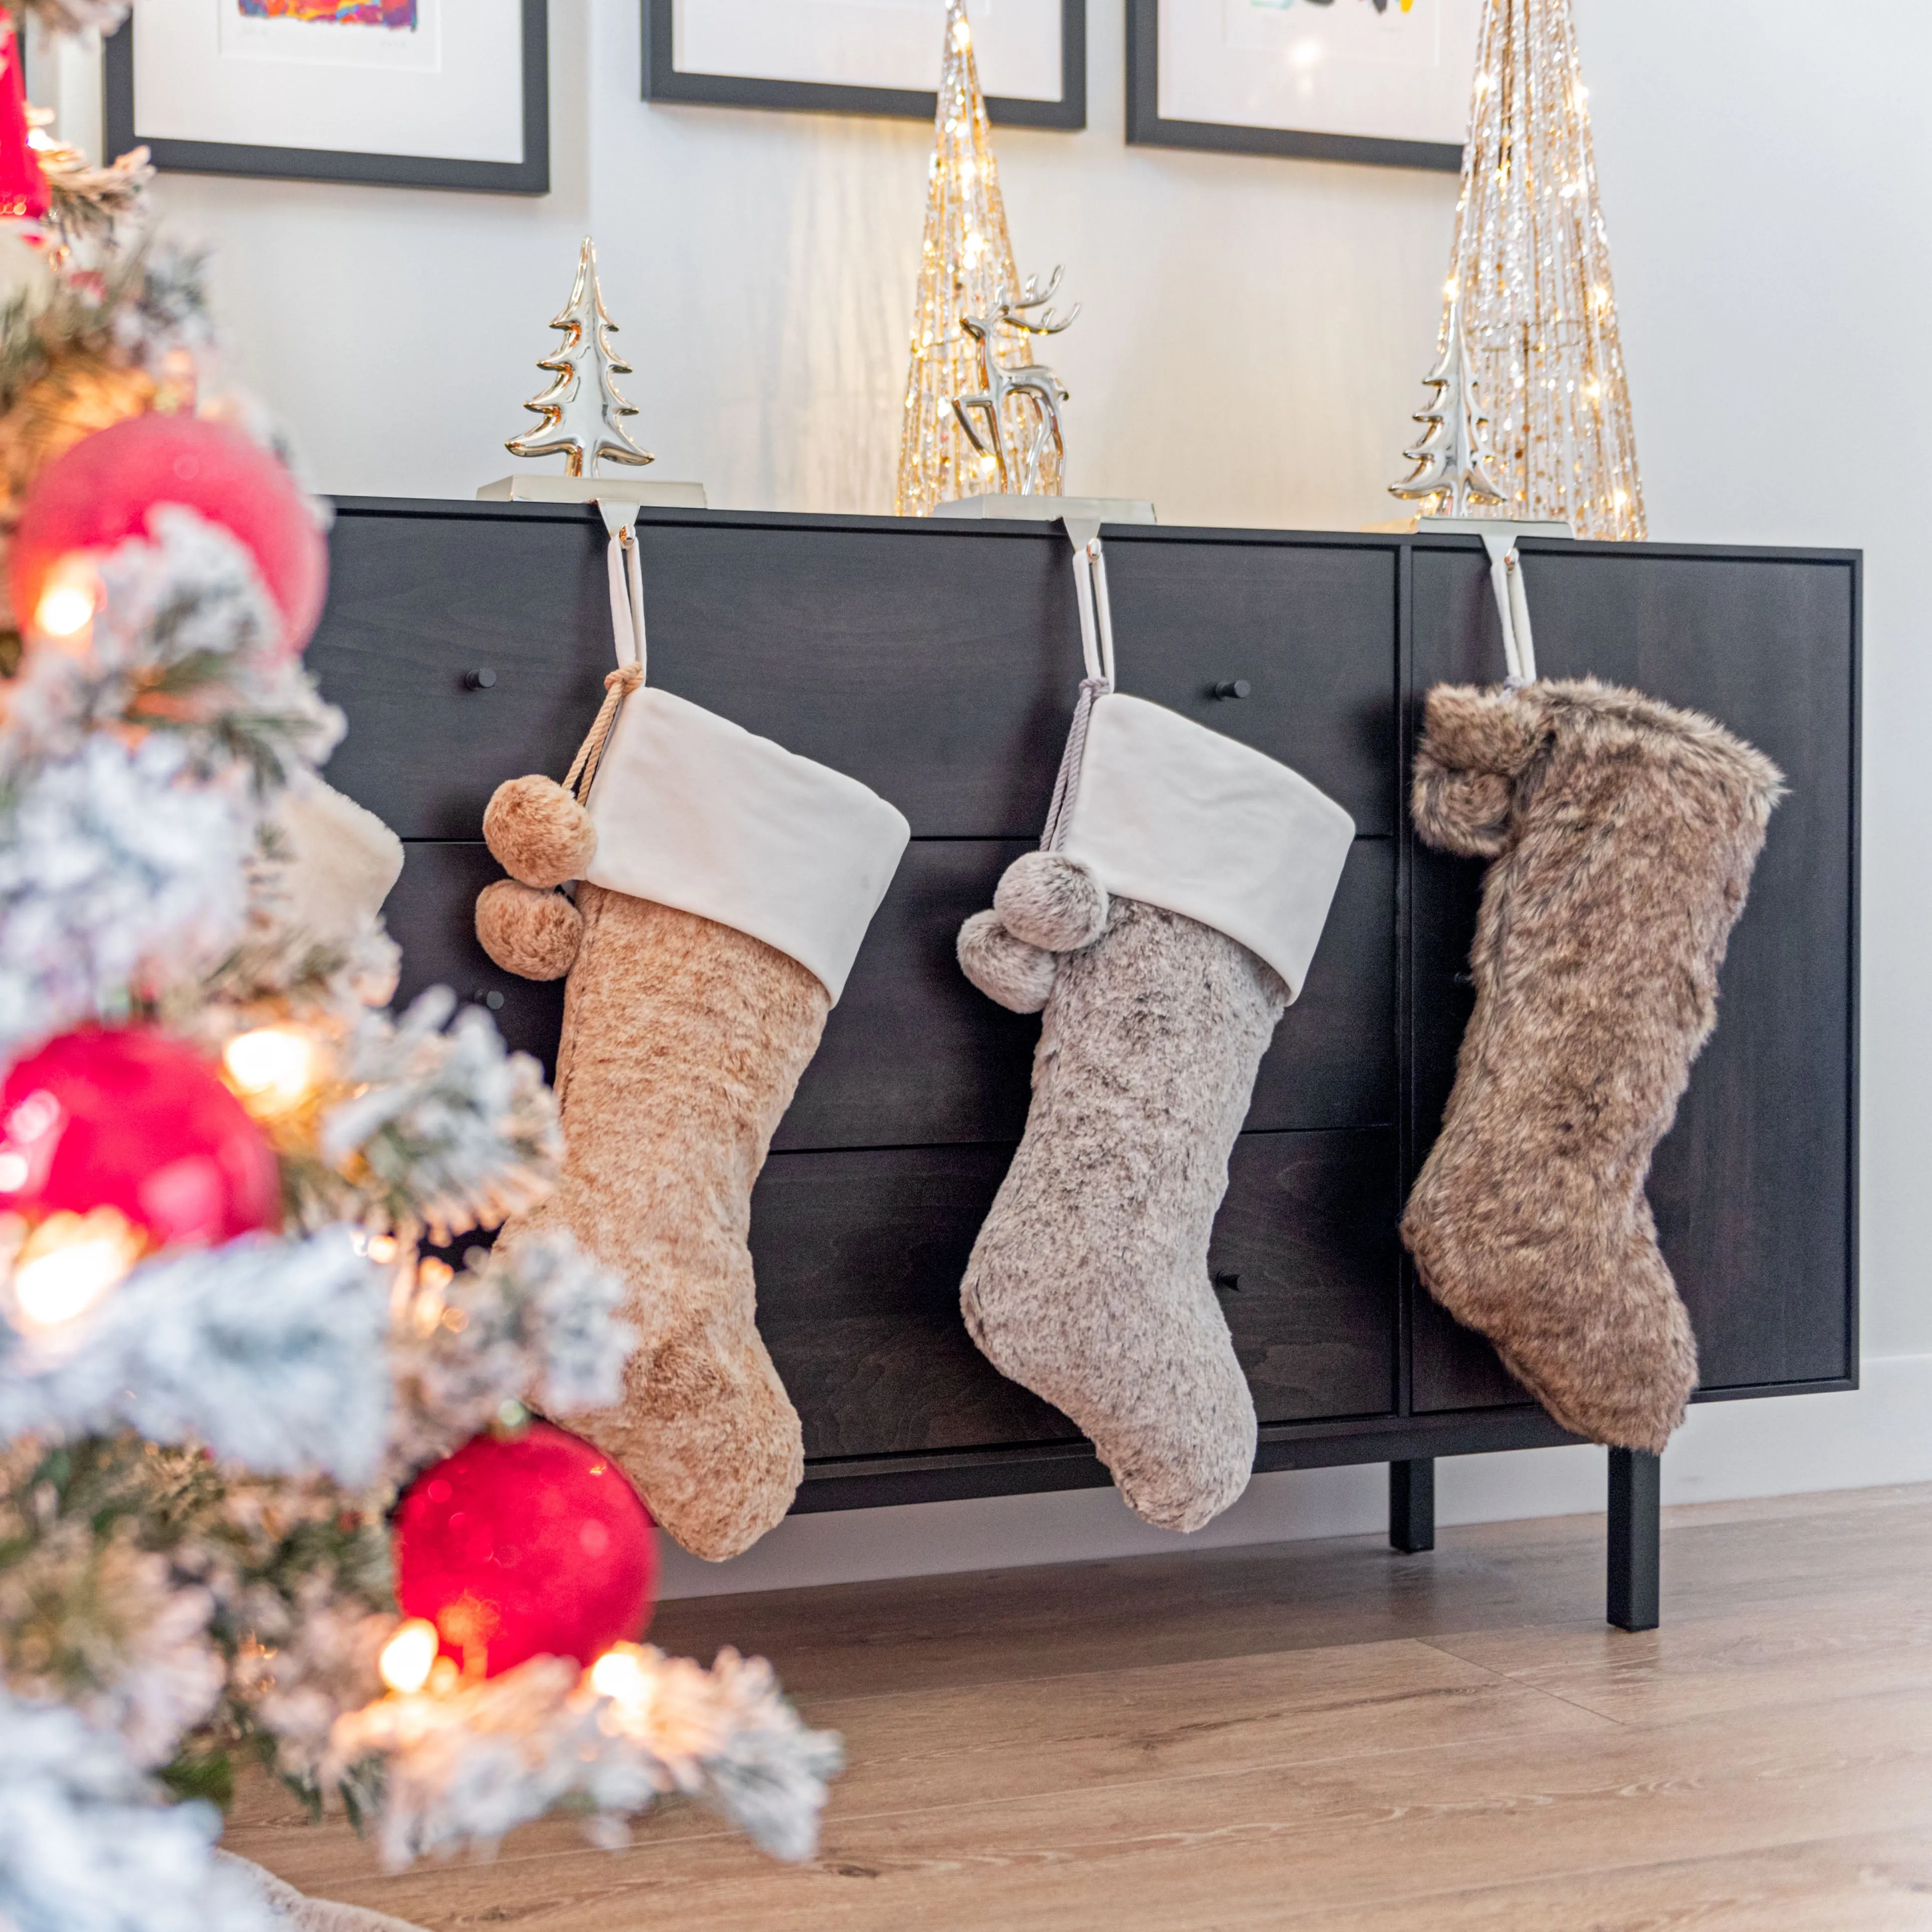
point(128, 1118)
point(23, 182)
point(535, 1545)
point(98, 494)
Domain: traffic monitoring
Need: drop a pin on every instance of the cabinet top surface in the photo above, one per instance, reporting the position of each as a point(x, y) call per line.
point(983, 529)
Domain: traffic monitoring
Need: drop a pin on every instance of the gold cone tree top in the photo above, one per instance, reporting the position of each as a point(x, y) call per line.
point(1531, 272)
point(966, 266)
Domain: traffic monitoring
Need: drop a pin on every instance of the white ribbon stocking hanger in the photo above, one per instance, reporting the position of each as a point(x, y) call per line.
point(694, 811)
point(1162, 809)
point(1512, 607)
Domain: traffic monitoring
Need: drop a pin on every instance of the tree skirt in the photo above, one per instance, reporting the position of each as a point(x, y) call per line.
point(313, 1915)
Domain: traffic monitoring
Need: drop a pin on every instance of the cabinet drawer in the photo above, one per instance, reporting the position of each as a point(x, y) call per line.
point(938, 663)
point(913, 1054)
point(859, 1258)
point(1309, 629)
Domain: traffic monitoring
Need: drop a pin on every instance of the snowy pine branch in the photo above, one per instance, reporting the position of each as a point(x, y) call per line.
point(116, 870)
point(267, 1351)
point(446, 1131)
point(535, 1324)
point(85, 1847)
point(463, 1769)
point(133, 781)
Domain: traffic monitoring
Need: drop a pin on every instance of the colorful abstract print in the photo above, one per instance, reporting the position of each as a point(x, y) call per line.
point(351, 12)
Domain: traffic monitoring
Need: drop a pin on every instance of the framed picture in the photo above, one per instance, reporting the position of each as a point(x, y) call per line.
point(449, 93)
point(865, 56)
point(1385, 81)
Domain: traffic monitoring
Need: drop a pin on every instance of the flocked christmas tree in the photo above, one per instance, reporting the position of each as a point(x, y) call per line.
point(1451, 456)
point(583, 411)
point(239, 1383)
point(966, 268)
point(1531, 267)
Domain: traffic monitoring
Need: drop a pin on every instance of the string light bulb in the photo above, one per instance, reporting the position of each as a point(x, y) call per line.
point(67, 600)
point(69, 1264)
point(272, 1070)
point(620, 1675)
point(410, 1656)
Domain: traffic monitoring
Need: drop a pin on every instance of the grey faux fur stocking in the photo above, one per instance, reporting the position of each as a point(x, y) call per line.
point(1624, 834)
point(1088, 1283)
point(683, 1040)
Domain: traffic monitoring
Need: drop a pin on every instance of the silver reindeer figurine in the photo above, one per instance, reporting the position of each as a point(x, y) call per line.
point(1037, 383)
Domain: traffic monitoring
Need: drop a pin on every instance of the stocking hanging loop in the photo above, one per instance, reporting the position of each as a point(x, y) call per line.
point(1512, 608)
point(627, 630)
point(627, 583)
point(1096, 651)
point(1090, 587)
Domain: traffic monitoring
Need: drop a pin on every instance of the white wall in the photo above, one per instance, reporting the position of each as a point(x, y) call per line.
point(1253, 333)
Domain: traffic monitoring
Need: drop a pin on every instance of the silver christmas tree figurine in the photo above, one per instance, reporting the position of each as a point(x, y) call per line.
point(1451, 457)
point(582, 407)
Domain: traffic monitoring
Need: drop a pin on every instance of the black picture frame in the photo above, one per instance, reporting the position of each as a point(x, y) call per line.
point(664, 81)
point(1147, 129)
point(531, 175)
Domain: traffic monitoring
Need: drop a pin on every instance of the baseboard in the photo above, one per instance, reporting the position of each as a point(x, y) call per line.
point(1860, 1439)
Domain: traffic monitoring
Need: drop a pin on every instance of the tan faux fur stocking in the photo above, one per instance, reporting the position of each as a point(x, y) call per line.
point(683, 1040)
point(1624, 834)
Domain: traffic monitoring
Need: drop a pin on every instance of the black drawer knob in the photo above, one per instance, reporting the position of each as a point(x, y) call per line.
point(1233, 687)
point(492, 999)
point(479, 680)
point(1228, 1282)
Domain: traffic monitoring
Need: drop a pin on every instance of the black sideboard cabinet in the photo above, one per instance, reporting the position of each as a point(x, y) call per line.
point(938, 661)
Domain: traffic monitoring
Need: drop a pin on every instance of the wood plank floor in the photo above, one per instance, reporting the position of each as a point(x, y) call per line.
point(1317, 1735)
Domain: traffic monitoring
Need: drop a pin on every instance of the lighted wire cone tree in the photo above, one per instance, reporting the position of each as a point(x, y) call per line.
point(1531, 271)
point(966, 269)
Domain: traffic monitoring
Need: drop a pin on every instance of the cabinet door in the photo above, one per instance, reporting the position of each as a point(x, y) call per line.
point(1753, 1188)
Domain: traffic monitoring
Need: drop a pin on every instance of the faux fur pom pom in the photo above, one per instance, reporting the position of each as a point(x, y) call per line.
point(538, 833)
point(1051, 902)
point(534, 935)
point(1009, 971)
point(1475, 743)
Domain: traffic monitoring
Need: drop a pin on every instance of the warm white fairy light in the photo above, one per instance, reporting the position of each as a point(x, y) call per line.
point(1539, 303)
point(274, 1069)
point(966, 264)
point(410, 1657)
point(68, 599)
point(69, 1263)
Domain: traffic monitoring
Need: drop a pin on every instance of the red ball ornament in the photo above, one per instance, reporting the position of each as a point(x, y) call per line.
point(534, 1545)
point(23, 182)
point(130, 1119)
point(99, 494)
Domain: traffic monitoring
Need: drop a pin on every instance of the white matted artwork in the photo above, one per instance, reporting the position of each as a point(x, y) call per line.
point(429, 93)
point(865, 56)
point(1374, 80)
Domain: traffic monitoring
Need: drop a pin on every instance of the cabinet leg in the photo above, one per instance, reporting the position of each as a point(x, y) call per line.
point(1635, 1497)
point(1412, 1504)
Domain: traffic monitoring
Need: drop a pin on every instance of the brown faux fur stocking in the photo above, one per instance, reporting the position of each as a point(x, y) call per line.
point(1624, 834)
point(683, 1040)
